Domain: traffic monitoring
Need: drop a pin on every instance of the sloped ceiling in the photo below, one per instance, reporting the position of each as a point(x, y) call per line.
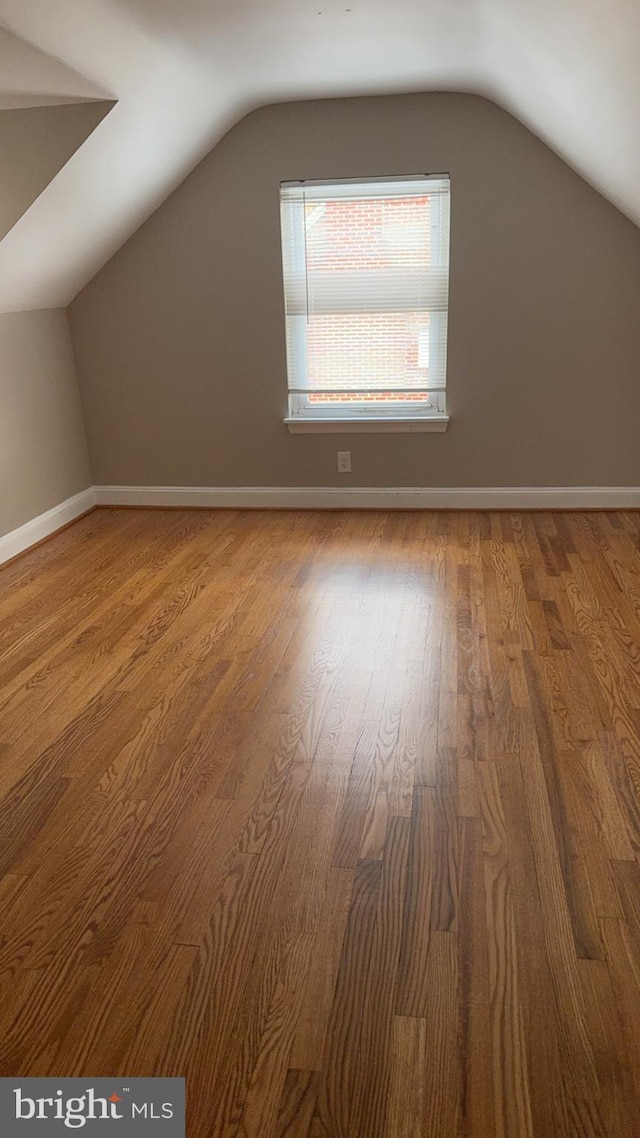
point(30, 78)
point(35, 143)
point(183, 71)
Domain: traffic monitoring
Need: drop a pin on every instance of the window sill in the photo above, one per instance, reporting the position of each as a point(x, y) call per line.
point(299, 425)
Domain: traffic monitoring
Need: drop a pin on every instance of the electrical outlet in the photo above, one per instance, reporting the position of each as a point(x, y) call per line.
point(344, 462)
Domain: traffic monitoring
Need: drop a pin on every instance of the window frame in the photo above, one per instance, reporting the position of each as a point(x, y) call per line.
point(401, 414)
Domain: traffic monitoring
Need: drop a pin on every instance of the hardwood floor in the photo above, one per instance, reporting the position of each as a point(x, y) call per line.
point(335, 814)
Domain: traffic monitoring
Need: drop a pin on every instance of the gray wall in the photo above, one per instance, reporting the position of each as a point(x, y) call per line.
point(180, 339)
point(43, 453)
point(35, 143)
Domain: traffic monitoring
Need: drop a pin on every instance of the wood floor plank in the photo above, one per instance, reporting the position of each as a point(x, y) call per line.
point(624, 976)
point(549, 811)
point(540, 1020)
point(387, 943)
point(406, 1092)
point(509, 1051)
point(605, 1114)
point(478, 1101)
point(344, 1082)
point(311, 1031)
point(297, 1104)
point(443, 1081)
point(412, 988)
point(558, 927)
point(445, 891)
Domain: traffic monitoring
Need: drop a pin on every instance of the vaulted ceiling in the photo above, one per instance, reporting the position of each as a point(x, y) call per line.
point(183, 71)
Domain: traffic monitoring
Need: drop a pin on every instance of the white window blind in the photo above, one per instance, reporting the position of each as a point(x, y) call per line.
point(366, 281)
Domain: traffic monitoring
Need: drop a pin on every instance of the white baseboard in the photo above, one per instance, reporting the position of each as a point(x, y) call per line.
point(321, 498)
point(365, 497)
point(45, 524)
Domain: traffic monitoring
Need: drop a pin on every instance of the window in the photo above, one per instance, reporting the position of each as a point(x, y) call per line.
point(366, 281)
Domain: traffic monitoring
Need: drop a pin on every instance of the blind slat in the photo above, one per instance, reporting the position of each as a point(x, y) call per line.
point(384, 189)
point(387, 390)
point(329, 292)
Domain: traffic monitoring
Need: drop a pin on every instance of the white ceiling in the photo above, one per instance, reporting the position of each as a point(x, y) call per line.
point(184, 70)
